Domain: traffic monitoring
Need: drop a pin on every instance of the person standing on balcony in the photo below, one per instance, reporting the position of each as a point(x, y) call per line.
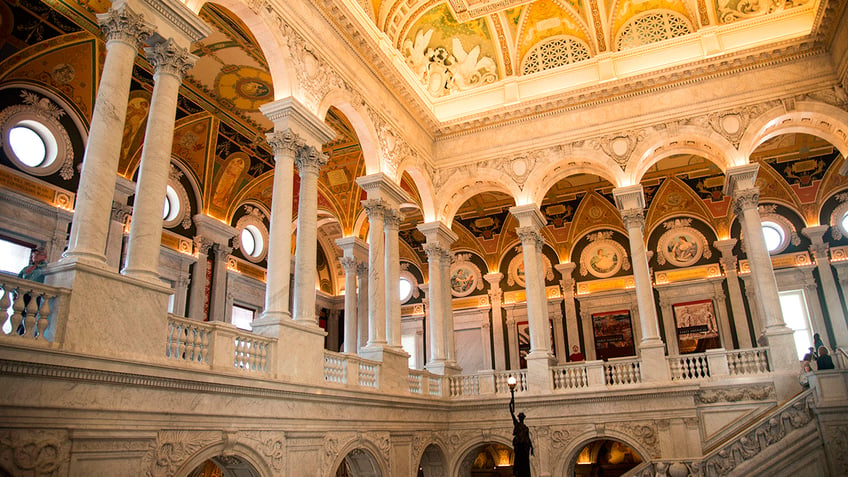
point(35, 270)
point(824, 361)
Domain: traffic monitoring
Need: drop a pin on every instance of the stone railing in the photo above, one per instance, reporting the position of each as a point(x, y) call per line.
point(217, 345)
point(622, 371)
point(743, 362)
point(502, 378)
point(572, 376)
point(689, 367)
point(747, 446)
point(347, 369)
point(840, 358)
point(464, 385)
point(32, 310)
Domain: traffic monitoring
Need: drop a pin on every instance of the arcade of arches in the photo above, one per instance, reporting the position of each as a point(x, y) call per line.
point(318, 238)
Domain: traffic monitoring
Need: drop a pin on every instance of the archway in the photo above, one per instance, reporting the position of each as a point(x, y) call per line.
point(433, 462)
point(359, 463)
point(225, 466)
point(604, 457)
point(488, 459)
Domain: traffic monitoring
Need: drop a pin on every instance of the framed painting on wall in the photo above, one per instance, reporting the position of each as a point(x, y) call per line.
point(697, 330)
point(613, 334)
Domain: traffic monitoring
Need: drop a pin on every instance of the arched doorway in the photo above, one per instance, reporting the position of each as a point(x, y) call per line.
point(359, 463)
point(225, 466)
point(488, 459)
point(605, 458)
point(433, 462)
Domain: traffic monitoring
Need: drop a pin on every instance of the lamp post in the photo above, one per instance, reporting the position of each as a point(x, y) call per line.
point(511, 382)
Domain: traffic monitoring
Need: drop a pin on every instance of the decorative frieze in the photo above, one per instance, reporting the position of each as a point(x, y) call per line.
point(35, 452)
point(736, 394)
point(172, 448)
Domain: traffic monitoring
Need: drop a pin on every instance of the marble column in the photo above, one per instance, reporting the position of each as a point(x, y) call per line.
point(669, 325)
point(363, 328)
point(125, 32)
point(819, 250)
point(486, 339)
point(631, 202)
point(434, 297)
point(309, 161)
point(722, 320)
point(572, 328)
point(197, 290)
point(559, 335)
point(170, 62)
point(447, 303)
point(419, 347)
point(391, 223)
point(124, 188)
point(740, 184)
point(353, 250)
point(734, 292)
point(496, 300)
point(278, 274)
point(531, 221)
point(512, 336)
point(375, 209)
point(439, 239)
point(218, 299)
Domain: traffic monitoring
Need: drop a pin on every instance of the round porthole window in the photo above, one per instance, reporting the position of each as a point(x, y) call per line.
point(405, 289)
point(843, 222)
point(775, 236)
point(251, 241)
point(171, 208)
point(28, 145)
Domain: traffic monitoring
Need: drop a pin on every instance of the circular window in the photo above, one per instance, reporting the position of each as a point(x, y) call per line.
point(844, 223)
point(171, 208)
point(28, 145)
point(405, 289)
point(251, 241)
point(774, 236)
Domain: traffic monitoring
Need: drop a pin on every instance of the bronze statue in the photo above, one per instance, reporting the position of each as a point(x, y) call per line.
point(521, 443)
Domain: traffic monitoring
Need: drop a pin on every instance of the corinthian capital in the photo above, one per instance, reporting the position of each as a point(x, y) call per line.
point(167, 57)
point(374, 209)
point(125, 25)
point(310, 160)
point(633, 218)
point(433, 251)
point(530, 237)
point(745, 199)
point(392, 218)
point(349, 264)
point(285, 142)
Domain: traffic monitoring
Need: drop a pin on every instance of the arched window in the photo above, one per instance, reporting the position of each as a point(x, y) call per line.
point(651, 27)
point(554, 52)
point(774, 235)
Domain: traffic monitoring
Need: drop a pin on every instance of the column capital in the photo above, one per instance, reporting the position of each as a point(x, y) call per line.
point(745, 199)
point(438, 233)
point(530, 237)
point(725, 246)
point(285, 141)
point(222, 251)
point(434, 252)
point(740, 178)
point(529, 216)
point(309, 160)
point(202, 245)
point(349, 264)
point(392, 218)
point(374, 209)
point(629, 197)
point(362, 269)
point(565, 269)
point(380, 186)
point(213, 229)
point(120, 212)
point(289, 113)
point(633, 218)
point(167, 57)
point(494, 279)
point(815, 234)
point(353, 247)
point(124, 25)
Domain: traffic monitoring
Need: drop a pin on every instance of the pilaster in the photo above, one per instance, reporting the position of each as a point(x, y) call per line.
point(835, 309)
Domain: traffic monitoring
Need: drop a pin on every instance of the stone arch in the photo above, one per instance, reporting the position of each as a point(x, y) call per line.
point(485, 180)
point(585, 162)
point(687, 140)
point(364, 455)
point(424, 183)
point(245, 192)
point(808, 117)
point(432, 460)
point(244, 453)
point(567, 459)
point(269, 37)
point(465, 454)
point(196, 190)
point(357, 115)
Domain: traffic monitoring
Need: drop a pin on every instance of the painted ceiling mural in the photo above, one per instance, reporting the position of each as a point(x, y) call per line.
point(219, 136)
point(456, 45)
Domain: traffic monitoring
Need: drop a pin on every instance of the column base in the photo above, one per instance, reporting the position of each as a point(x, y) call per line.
point(445, 368)
point(783, 361)
point(89, 259)
point(144, 275)
point(394, 369)
point(539, 380)
point(654, 364)
point(306, 365)
point(269, 323)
